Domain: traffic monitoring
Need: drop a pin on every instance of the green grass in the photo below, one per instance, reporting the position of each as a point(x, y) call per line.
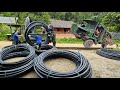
point(118, 49)
point(69, 40)
point(117, 41)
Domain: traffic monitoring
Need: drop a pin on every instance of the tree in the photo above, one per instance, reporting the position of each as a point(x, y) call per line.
point(112, 21)
point(37, 16)
point(68, 16)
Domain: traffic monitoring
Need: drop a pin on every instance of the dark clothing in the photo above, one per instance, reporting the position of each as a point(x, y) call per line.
point(50, 29)
point(39, 47)
point(16, 42)
point(50, 36)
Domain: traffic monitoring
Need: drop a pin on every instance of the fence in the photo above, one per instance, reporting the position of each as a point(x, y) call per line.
point(115, 35)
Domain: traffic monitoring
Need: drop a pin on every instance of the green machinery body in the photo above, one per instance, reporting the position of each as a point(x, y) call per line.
point(13, 27)
point(87, 29)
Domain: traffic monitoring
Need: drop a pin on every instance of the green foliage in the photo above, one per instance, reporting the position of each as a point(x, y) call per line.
point(4, 30)
point(118, 49)
point(57, 15)
point(112, 21)
point(35, 16)
point(73, 16)
point(117, 41)
point(69, 40)
point(68, 16)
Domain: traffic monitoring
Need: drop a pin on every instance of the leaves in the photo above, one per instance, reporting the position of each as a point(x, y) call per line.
point(35, 16)
point(112, 21)
point(4, 30)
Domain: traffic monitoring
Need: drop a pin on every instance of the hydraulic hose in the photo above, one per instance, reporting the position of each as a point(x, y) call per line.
point(10, 69)
point(83, 68)
point(109, 53)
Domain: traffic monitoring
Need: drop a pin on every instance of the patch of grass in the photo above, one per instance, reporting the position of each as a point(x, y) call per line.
point(69, 40)
point(117, 41)
point(118, 49)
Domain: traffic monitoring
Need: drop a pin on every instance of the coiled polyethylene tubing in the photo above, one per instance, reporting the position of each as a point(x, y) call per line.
point(10, 69)
point(83, 68)
point(29, 29)
point(109, 53)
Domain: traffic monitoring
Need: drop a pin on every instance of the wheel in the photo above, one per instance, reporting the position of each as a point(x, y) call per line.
point(88, 43)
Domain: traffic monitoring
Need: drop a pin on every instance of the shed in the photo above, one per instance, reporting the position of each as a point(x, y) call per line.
point(62, 28)
point(8, 20)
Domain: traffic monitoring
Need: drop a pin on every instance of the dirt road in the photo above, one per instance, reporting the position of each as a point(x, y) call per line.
point(62, 45)
point(101, 67)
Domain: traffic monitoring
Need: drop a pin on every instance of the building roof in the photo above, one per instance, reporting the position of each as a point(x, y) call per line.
point(8, 20)
point(61, 23)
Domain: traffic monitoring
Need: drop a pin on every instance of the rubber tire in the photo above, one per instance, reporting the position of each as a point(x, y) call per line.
point(86, 42)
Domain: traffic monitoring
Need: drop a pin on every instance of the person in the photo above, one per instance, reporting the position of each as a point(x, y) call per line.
point(38, 40)
point(16, 37)
point(50, 35)
point(27, 21)
point(98, 31)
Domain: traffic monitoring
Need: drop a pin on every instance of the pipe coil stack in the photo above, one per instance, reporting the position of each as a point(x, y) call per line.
point(10, 69)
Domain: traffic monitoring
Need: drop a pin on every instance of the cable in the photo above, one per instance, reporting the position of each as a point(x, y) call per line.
point(83, 68)
point(109, 53)
point(10, 69)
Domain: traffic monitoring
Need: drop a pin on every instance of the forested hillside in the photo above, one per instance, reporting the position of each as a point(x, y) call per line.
point(110, 20)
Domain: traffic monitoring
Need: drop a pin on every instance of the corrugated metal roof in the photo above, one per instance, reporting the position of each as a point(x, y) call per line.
point(61, 23)
point(8, 20)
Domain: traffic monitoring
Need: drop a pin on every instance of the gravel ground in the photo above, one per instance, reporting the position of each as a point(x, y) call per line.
point(60, 65)
point(101, 67)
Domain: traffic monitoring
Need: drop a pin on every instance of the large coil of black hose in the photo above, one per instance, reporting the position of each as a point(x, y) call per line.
point(109, 53)
point(10, 69)
point(83, 68)
point(30, 28)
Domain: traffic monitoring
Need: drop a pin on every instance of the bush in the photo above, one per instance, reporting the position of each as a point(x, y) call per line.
point(4, 30)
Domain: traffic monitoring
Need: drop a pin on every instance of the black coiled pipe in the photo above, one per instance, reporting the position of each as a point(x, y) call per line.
point(11, 69)
point(30, 28)
point(44, 48)
point(109, 53)
point(83, 69)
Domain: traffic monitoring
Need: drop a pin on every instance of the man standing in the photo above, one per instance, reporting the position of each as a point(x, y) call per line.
point(16, 37)
point(51, 35)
